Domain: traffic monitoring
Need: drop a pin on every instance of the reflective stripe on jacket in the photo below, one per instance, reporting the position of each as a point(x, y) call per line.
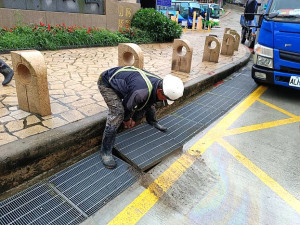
point(131, 87)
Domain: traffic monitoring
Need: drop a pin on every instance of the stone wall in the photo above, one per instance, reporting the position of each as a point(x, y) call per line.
point(118, 13)
point(71, 6)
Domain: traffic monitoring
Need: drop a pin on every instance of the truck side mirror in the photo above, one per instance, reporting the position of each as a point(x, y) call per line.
point(261, 17)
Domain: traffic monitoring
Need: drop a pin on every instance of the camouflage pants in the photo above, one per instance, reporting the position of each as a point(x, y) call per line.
point(115, 108)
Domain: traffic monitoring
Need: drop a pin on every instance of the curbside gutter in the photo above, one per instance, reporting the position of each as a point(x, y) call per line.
point(25, 159)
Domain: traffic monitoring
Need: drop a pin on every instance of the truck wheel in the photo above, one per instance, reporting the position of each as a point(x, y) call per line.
point(252, 42)
point(243, 35)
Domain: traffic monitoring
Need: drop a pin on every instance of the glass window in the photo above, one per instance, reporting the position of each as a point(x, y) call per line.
point(285, 7)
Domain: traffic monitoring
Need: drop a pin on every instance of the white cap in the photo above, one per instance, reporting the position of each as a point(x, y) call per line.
point(172, 88)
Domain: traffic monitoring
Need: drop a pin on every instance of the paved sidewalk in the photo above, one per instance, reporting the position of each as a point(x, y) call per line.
point(72, 78)
point(76, 102)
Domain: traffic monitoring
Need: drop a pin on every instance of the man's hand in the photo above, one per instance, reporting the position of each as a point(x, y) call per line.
point(132, 123)
point(129, 124)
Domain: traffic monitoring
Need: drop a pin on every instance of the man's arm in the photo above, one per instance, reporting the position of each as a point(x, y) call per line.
point(131, 105)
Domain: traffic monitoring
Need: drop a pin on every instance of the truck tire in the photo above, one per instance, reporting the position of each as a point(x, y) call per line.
point(252, 42)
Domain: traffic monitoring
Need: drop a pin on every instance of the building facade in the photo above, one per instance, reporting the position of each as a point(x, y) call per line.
point(109, 14)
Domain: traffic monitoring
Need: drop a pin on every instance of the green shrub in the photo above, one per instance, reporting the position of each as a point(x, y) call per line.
point(158, 26)
point(135, 35)
point(47, 37)
point(44, 37)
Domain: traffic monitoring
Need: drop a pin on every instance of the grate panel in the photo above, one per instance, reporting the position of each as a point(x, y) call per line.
point(219, 102)
point(133, 138)
point(241, 81)
point(215, 101)
point(145, 148)
point(181, 130)
point(38, 204)
point(205, 114)
point(89, 185)
point(229, 92)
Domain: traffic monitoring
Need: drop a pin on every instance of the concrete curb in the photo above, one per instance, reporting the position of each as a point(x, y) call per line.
point(25, 159)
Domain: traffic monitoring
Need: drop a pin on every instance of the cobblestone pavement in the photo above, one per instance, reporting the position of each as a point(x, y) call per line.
point(73, 74)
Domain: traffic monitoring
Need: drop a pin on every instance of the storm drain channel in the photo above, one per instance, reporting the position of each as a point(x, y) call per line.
point(77, 192)
point(144, 146)
point(70, 196)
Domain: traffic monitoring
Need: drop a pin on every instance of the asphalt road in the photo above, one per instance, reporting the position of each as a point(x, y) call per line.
point(243, 169)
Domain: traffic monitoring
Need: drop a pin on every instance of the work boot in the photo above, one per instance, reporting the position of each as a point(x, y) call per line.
point(7, 72)
point(106, 150)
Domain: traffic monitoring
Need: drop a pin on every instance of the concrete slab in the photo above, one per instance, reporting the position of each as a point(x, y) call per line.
point(258, 113)
point(279, 155)
point(239, 197)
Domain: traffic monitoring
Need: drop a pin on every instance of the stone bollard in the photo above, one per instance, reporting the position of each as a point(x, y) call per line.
point(130, 54)
point(199, 24)
point(211, 54)
point(237, 39)
point(182, 61)
point(227, 30)
point(31, 81)
point(228, 45)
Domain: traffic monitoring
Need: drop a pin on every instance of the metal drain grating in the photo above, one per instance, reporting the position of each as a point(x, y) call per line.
point(89, 185)
point(69, 196)
point(211, 108)
point(241, 81)
point(145, 146)
point(181, 129)
point(229, 92)
point(38, 204)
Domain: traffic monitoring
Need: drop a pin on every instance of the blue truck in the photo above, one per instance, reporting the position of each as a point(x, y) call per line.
point(277, 51)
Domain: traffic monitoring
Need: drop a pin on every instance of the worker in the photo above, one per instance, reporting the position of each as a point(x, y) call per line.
point(6, 71)
point(130, 93)
point(250, 10)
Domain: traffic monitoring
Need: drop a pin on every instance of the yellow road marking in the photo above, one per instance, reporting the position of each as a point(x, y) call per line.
point(271, 183)
point(219, 129)
point(144, 202)
point(277, 108)
point(147, 199)
point(261, 126)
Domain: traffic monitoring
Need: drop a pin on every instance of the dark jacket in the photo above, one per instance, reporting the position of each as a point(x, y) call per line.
point(131, 87)
point(250, 7)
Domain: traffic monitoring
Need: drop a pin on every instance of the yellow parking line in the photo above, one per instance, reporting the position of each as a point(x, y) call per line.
point(271, 183)
point(261, 126)
point(147, 199)
point(276, 107)
point(144, 202)
point(219, 129)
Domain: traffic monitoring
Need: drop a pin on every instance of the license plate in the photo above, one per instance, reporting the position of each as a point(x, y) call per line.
point(294, 81)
